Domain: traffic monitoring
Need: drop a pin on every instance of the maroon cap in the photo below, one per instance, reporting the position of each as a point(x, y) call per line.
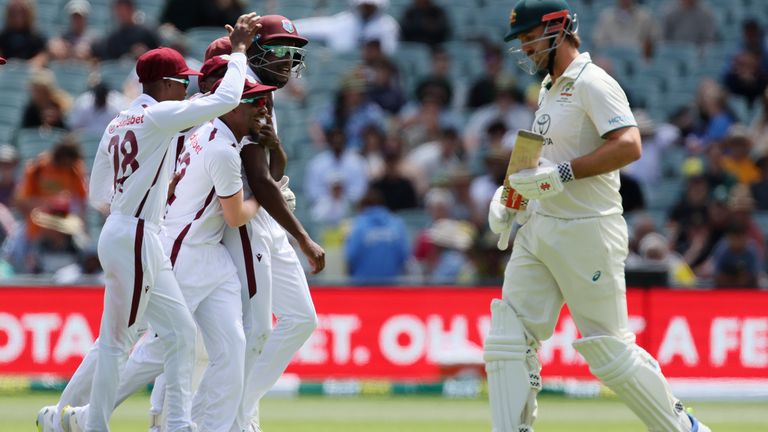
point(220, 46)
point(213, 64)
point(250, 88)
point(278, 27)
point(2, 61)
point(161, 63)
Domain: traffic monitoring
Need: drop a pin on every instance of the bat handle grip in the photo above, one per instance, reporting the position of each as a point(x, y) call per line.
point(504, 238)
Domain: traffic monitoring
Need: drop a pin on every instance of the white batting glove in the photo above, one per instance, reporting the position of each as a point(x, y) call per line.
point(288, 195)
point(522, 216)
point(542, 182)
point(500, 217)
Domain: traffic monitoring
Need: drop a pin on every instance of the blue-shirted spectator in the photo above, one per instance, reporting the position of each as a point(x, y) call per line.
point(736, 259)
point(377, 248)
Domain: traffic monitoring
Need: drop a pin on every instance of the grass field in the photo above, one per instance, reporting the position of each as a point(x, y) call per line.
point(411, 414)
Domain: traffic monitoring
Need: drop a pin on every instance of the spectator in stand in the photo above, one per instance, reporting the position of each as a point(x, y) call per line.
point(129, 38)
point(714, 117)
point(426, 22)
point(374, 143)
point(438, 204)
point(377, 248)
point(758, 129)
point(746, 77)
point(736, 260)
point(93, 110)
point(9, 162)
point(351, 111)
point(719, 181)
point(397, 190)
point(48, 104)
point(760, 188)
point(754, 41)
point(54, 183)
point(425, 163)
point(346, 31)
point(654, 250)
point(647, 170)
point(737, 161)
point(77, 41)
point(384, 87)
point(627, 25)
point(448, 262)
point(337, 161)
point(689, 211)
point(741, 206)
point(689, 21)
point(186, 14)
point(330, 209)
point(483, 90)
point(482, 188)
point(20, 38)
point(508, 107)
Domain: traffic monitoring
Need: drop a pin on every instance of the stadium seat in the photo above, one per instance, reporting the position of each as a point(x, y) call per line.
point(6, 134)
point(198, 39)
point(115, 72)
point(71, 77)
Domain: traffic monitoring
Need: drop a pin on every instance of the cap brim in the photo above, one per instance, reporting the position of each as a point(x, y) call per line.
point(2, 61)
point(189, 72)
point(258, 90)
point(299, 39)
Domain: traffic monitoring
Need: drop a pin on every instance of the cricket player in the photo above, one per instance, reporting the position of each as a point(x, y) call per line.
point(573, 247)
point(131, 175)
point(208, 166)
point(272, 278)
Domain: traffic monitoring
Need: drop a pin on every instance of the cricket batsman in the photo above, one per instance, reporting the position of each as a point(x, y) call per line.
point(572, 248)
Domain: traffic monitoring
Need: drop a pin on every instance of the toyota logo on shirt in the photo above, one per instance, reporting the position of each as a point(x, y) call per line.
point(542, 124)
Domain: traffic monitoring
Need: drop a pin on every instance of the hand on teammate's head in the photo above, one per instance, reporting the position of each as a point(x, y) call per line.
point(242, 34)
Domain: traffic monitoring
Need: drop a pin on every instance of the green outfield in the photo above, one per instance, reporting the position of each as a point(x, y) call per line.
point(410, 414)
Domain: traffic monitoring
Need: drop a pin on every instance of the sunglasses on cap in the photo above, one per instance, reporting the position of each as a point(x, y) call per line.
point(182, 81)
point(259, 101)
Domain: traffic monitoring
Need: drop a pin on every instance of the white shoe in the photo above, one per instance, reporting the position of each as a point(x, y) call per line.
point(45, 419)
point(70, 420)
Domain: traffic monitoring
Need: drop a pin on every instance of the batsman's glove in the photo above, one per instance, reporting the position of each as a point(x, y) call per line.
point(288, 195)
point(500, 217)
point(542, 182)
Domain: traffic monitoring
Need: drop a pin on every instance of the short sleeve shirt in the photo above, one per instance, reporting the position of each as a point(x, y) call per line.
point(209, 165)
point(575, 114)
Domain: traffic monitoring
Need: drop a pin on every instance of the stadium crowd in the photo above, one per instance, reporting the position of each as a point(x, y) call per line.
point(400, 131)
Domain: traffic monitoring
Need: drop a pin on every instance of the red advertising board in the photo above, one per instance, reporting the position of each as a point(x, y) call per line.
point(412, 333)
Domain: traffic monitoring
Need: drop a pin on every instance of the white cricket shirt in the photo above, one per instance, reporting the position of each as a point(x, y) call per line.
point(210, 167)
point(575, 113)
point(135, 157)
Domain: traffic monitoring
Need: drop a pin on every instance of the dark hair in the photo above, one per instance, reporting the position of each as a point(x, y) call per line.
point(67, 149)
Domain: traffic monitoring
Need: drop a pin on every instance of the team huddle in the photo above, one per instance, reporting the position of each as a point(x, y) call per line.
point(188, 247)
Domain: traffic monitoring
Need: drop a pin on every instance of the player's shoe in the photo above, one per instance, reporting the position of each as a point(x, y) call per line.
point(697, 426)
point(70, 420)
point(45, 419)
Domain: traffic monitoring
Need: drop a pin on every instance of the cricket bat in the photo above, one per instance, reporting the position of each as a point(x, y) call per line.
point(525, 155)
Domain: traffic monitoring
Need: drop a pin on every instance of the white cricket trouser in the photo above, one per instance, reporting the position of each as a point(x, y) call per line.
point(136, 269)
point(273, 281)
point(579, 262)
point(211, 290)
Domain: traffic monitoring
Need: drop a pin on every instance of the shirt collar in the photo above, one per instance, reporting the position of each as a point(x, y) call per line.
point(144, 99)
point(226, 133)
point(573, 70)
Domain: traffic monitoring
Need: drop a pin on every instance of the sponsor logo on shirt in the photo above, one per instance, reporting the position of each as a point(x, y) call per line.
point(127, 121)
point(194, 142)
point(542, 124)
point(618, 120)
point(566, 93)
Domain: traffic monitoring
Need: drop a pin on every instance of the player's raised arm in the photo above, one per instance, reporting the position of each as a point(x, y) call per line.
point(178, 115)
